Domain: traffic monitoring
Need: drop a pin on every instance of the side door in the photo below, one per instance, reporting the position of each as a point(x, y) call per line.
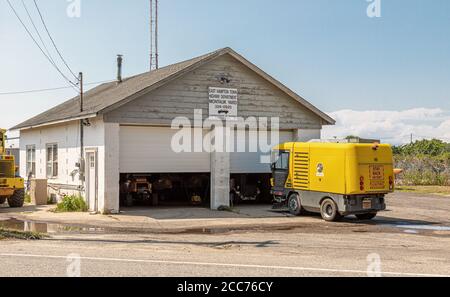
point(91, 180)
point(280, 170)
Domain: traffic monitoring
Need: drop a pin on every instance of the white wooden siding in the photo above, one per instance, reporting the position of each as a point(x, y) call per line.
point(66, 137)
point(257, 98)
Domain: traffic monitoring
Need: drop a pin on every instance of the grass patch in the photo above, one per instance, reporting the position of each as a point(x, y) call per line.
point(228, 209)
point(50, 201)
point(437, 190)
point(8, 234)
point(72, 204)
point(27, 198)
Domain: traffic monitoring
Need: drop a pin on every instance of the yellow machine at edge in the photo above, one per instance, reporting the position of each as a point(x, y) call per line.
point(12, 187)
point(334, 179)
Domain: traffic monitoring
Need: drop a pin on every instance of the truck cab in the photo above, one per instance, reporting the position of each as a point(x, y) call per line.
point(333, 179)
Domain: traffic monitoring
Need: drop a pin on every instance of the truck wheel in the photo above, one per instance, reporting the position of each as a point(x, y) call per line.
point(329, 211)
point(2, 200)
point(17, 199)
point(295, 205)
point(366, 216)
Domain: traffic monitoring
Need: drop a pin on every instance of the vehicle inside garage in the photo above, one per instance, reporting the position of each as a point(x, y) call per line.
point(250, 188)
point(178, 189)
point(146, 158)
point(155, 190)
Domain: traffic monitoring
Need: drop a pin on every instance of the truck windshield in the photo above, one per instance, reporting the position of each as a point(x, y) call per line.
point(280, 160)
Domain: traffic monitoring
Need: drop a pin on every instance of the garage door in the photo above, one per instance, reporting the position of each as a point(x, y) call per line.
point(251, 162)
point(148, 150)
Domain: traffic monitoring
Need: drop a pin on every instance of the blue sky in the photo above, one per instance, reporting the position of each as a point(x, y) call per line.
point(328, 51)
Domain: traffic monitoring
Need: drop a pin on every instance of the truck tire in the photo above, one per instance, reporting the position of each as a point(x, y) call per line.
point(329, 210)
point(295, 205)
point(366, 216)
point(2, 200)
point(18, 199)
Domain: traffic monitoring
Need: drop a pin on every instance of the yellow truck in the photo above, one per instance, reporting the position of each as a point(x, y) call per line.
point(333, 179)
point(12, 187)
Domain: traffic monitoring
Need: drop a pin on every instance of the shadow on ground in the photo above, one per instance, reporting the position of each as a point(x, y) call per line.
point(195, 213)
point(213, 244)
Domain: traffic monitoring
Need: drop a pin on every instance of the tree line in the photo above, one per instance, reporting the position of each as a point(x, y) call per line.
point(425, 163)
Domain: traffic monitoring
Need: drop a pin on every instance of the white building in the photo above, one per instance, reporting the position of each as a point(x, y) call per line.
point(12, 148)
point(124, 128)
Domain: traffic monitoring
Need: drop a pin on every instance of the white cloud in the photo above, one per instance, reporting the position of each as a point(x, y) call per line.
point(393, 127)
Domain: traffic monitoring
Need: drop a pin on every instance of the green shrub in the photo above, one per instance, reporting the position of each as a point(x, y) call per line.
point(225, 208)
point(423, 170)
point(50, 200)
point(27, 198)
point(5, 234)
point(72, 204)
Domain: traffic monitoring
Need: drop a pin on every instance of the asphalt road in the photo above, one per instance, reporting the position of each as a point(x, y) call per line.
point(393, 245)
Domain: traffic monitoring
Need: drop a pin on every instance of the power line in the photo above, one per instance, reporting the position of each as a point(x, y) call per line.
point(53, 42)
point(50, 89)
point(34, 91)
point(37, 32)
point(40, 48)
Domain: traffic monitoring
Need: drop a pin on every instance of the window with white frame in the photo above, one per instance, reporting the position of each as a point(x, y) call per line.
point(31, 160)
point(52, 160)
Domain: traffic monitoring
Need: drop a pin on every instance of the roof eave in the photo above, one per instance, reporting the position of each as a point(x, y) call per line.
point(326, 118)
point(164, 81)
point(62, 121)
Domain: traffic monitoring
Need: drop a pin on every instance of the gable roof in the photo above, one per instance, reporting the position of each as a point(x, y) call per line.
point(109, 96)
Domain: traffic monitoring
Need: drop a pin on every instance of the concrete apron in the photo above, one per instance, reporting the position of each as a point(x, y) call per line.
point(158, 220)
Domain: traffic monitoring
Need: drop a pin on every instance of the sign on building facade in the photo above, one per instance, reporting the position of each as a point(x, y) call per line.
point(223, 102)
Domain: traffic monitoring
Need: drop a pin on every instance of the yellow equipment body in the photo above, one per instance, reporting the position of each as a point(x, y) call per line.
point(11, 185)
point(354, 176)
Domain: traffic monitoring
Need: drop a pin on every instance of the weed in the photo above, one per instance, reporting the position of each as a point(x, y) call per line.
point(72, 204)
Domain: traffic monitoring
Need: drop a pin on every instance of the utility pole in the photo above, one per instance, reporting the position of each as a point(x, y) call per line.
point(80, 80)
point(154, 54)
